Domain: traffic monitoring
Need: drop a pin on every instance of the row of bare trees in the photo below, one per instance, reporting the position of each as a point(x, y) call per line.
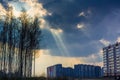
point(19, 38)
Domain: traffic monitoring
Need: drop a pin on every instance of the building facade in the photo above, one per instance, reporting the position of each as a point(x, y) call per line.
point(54, 71)
point(111, 59)
point(57, 71)
point(87, 71)
point(68, 72)
point(79, 71)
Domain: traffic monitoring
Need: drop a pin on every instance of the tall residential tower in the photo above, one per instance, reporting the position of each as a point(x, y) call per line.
point(111, 58)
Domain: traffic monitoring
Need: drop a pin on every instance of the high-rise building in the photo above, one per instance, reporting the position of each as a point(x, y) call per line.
point(111, 59)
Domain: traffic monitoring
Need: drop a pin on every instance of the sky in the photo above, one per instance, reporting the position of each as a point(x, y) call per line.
point(74, 31)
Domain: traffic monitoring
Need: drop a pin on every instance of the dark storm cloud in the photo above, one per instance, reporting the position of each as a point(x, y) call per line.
point(98, 14)
point(65, 14)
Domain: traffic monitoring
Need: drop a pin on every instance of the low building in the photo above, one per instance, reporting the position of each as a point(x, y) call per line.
point(87, 71)
point(55, 71)
point(68, 72)
point(79, 71)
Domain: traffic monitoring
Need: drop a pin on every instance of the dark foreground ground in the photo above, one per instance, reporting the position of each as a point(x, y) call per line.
point(43, 78)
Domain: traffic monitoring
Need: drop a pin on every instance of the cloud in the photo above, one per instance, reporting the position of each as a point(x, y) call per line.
point(33, 7)
point(104, 42)
point(45, 60)
point(37, 8)
point(82, 14)
point(80, 26)
point(100, 53)
point(65, 15)
point(2, 10)
point(87, 13)
point(94, 59)
point(111, 27)
point(82, 49)
point(118, 39)
point(56, 31)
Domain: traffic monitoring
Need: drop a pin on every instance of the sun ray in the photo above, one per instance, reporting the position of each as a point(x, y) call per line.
point(59, 41)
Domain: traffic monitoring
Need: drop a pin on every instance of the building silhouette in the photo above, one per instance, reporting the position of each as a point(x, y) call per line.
point(111, 58)
point(54, 71)
point(79, 71)
point(87, 71)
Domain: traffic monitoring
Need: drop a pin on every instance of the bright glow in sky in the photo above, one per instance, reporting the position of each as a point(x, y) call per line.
point(82, 14)
point(33, 8)
point(80, 26)
point(2, 10)
point(46, 60)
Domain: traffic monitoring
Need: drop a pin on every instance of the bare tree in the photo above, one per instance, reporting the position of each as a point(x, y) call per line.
point(19, 38)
